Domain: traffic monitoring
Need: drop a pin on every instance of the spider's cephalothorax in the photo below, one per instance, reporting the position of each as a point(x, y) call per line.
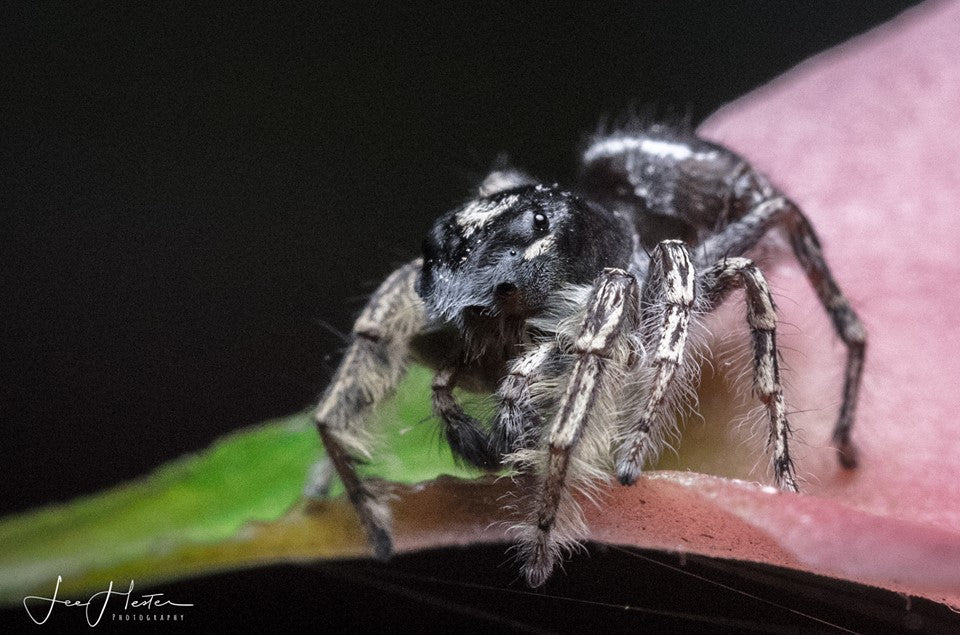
point(575, 307)
point(501, 259)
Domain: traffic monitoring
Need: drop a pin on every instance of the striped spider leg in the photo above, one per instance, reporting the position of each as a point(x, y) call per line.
point(602, 351)
point(714, 285)
point(774, 210)
point(516, 424)
point(666, 303)
point(663, 312)
point(373, 365)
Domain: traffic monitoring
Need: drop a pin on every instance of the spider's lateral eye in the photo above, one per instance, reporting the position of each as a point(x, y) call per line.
point(540, 222)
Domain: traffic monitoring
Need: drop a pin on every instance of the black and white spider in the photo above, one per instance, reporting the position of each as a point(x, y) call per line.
point(574, 307)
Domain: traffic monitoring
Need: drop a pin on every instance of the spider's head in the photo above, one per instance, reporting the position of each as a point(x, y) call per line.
point(504, 255)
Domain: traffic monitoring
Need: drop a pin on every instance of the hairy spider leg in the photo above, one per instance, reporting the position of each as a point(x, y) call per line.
point(374, 364)
point(612, 312)
point(467, 438)
point(714, 285)
point(666, 300)
point(741, 235)
point(516, 421)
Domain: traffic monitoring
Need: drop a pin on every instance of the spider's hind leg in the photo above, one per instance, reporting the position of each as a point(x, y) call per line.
point(739, 236)
point(715, 284)
point(373, 365)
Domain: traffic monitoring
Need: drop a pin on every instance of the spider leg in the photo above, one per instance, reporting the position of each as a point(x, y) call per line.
point(516, 418)
point(371, 369)
point(714, 285)
point(739, 236)
point(611, 313)
point(668, 295)
point(320, 480)
point(467, 438)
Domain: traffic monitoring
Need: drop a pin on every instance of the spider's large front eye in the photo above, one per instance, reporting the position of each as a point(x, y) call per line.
point(540, 222)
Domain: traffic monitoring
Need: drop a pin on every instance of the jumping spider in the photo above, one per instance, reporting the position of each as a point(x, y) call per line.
point(574, 307)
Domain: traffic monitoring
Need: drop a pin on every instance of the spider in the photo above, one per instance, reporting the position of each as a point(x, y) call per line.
point(573, 307)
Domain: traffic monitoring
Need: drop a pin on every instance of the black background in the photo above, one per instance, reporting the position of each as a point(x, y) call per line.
point(195, 200)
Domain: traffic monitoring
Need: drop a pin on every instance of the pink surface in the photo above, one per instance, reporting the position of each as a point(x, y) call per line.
point(865, 138)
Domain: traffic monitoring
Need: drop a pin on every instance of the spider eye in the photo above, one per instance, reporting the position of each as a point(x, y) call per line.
point(540, 222)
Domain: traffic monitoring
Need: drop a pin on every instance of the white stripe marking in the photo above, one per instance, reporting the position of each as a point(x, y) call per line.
point(656, 147)
point(477, 214)
point(539, 247)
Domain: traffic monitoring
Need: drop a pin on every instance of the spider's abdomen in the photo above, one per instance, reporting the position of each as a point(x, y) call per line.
point(674, 184)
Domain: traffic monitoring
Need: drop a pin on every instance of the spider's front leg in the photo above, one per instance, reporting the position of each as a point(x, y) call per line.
point(714, 285)
point(518, 423)
point(466, 436)
point(600, 347)
point(668, 295)
point(373, 365)
point(516, 419)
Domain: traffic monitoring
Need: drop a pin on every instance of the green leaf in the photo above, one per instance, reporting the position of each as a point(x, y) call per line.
point(190, 515)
